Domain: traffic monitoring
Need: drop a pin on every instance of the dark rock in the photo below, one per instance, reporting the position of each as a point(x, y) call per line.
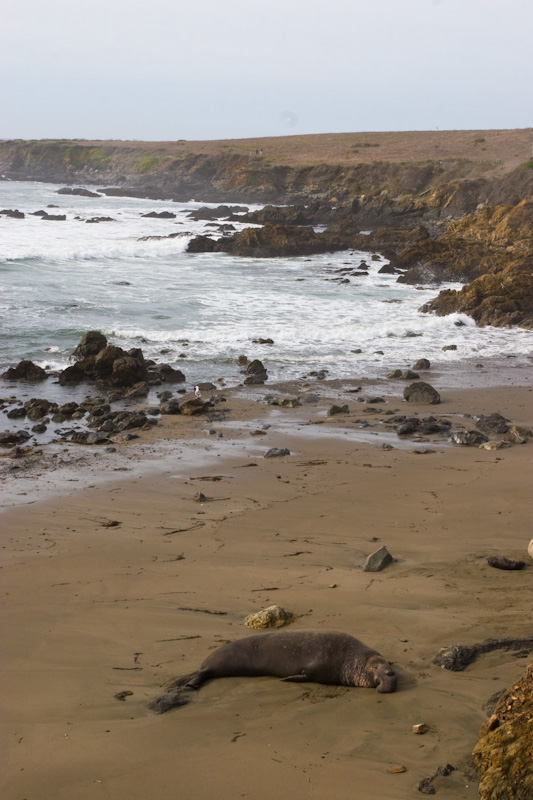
point(263, 341)
point(140, 389)
point(68, 409)
point(17, 413)
point(126, 420)
point(81, 192)
point(171, 406)
point(268, 242)
point(422, 364)
point(421, 392)
point(278, 215)
point(205, 213)
point(333, 410)
point(192, 406)
point(409, 426)
point(160, 215)
point(95, 220)
point(168, 374)
point(13, 213)
point(25, 370)
point(91, 344)
point(40, 428)
point(492, 423)
point(54, 217)
point(450, 347)
point(377, 560)
point(7, 438)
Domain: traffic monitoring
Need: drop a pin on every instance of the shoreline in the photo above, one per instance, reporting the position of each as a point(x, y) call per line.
point(92, 610)
point(63, 461)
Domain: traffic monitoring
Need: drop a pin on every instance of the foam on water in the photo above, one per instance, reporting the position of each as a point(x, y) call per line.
point(60, 279)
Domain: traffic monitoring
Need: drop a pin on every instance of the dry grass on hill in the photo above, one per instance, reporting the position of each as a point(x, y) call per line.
point(493, 151)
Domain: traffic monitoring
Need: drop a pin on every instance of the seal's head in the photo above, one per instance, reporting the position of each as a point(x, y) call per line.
point(385, 679)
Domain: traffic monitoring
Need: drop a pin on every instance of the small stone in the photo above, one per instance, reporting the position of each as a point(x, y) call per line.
point(277, 452)
point(332, 586)
point(450, 347)
point(378, 560)
point(493, 445)
point(468, 438)
point(334, 409)
point(420, 728)
point(396, 769)
point(271, 617)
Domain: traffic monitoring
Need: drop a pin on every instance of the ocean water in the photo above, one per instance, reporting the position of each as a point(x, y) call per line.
point(199, 312)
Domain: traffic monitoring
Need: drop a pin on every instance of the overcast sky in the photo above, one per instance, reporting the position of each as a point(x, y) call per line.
point(214, 69)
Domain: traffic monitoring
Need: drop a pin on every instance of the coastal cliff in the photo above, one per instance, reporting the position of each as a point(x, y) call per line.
point(468, 190)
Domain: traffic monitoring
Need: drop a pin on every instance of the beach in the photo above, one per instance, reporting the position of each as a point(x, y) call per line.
point(116, 582)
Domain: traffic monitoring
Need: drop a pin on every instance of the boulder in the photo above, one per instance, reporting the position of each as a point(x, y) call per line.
point(127, 371)
point(377, 560)
point(193, 405)
point(422, 364)
point(492, 423)
point(502, 756)
point(168, 374)
point(54, 217)
point(90, 345)
point(170, 406)
point(8, 438)
point(256, 373)
point(334, 409)
point(25, 371)
point(421, 392)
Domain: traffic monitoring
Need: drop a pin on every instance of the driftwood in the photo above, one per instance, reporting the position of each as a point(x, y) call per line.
point(457, 657)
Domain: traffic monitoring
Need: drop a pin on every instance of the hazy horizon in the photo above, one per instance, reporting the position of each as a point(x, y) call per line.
point(169, 70)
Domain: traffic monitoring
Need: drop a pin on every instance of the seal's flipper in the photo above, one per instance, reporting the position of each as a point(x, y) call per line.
point(295, 678)
point(172, 699)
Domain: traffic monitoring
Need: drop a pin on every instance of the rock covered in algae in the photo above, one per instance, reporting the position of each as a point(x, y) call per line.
point(503, 754)
point(271, 617)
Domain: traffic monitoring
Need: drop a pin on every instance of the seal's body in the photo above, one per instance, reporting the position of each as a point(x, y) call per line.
point(317, 656)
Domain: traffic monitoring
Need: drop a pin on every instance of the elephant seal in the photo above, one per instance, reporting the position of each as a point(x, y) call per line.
point(316, 656)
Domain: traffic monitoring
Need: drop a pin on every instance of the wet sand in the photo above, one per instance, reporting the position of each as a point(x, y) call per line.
point(90, 610)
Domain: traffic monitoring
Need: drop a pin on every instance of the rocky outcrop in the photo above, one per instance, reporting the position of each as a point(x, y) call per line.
point(267, 242)
point(25, 371)
point(502, 299)
point(503, 755)
point(108, 364)
point(279, 215)
point(81, 192)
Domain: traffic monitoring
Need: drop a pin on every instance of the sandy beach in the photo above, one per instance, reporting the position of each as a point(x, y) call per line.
point(91, 609)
